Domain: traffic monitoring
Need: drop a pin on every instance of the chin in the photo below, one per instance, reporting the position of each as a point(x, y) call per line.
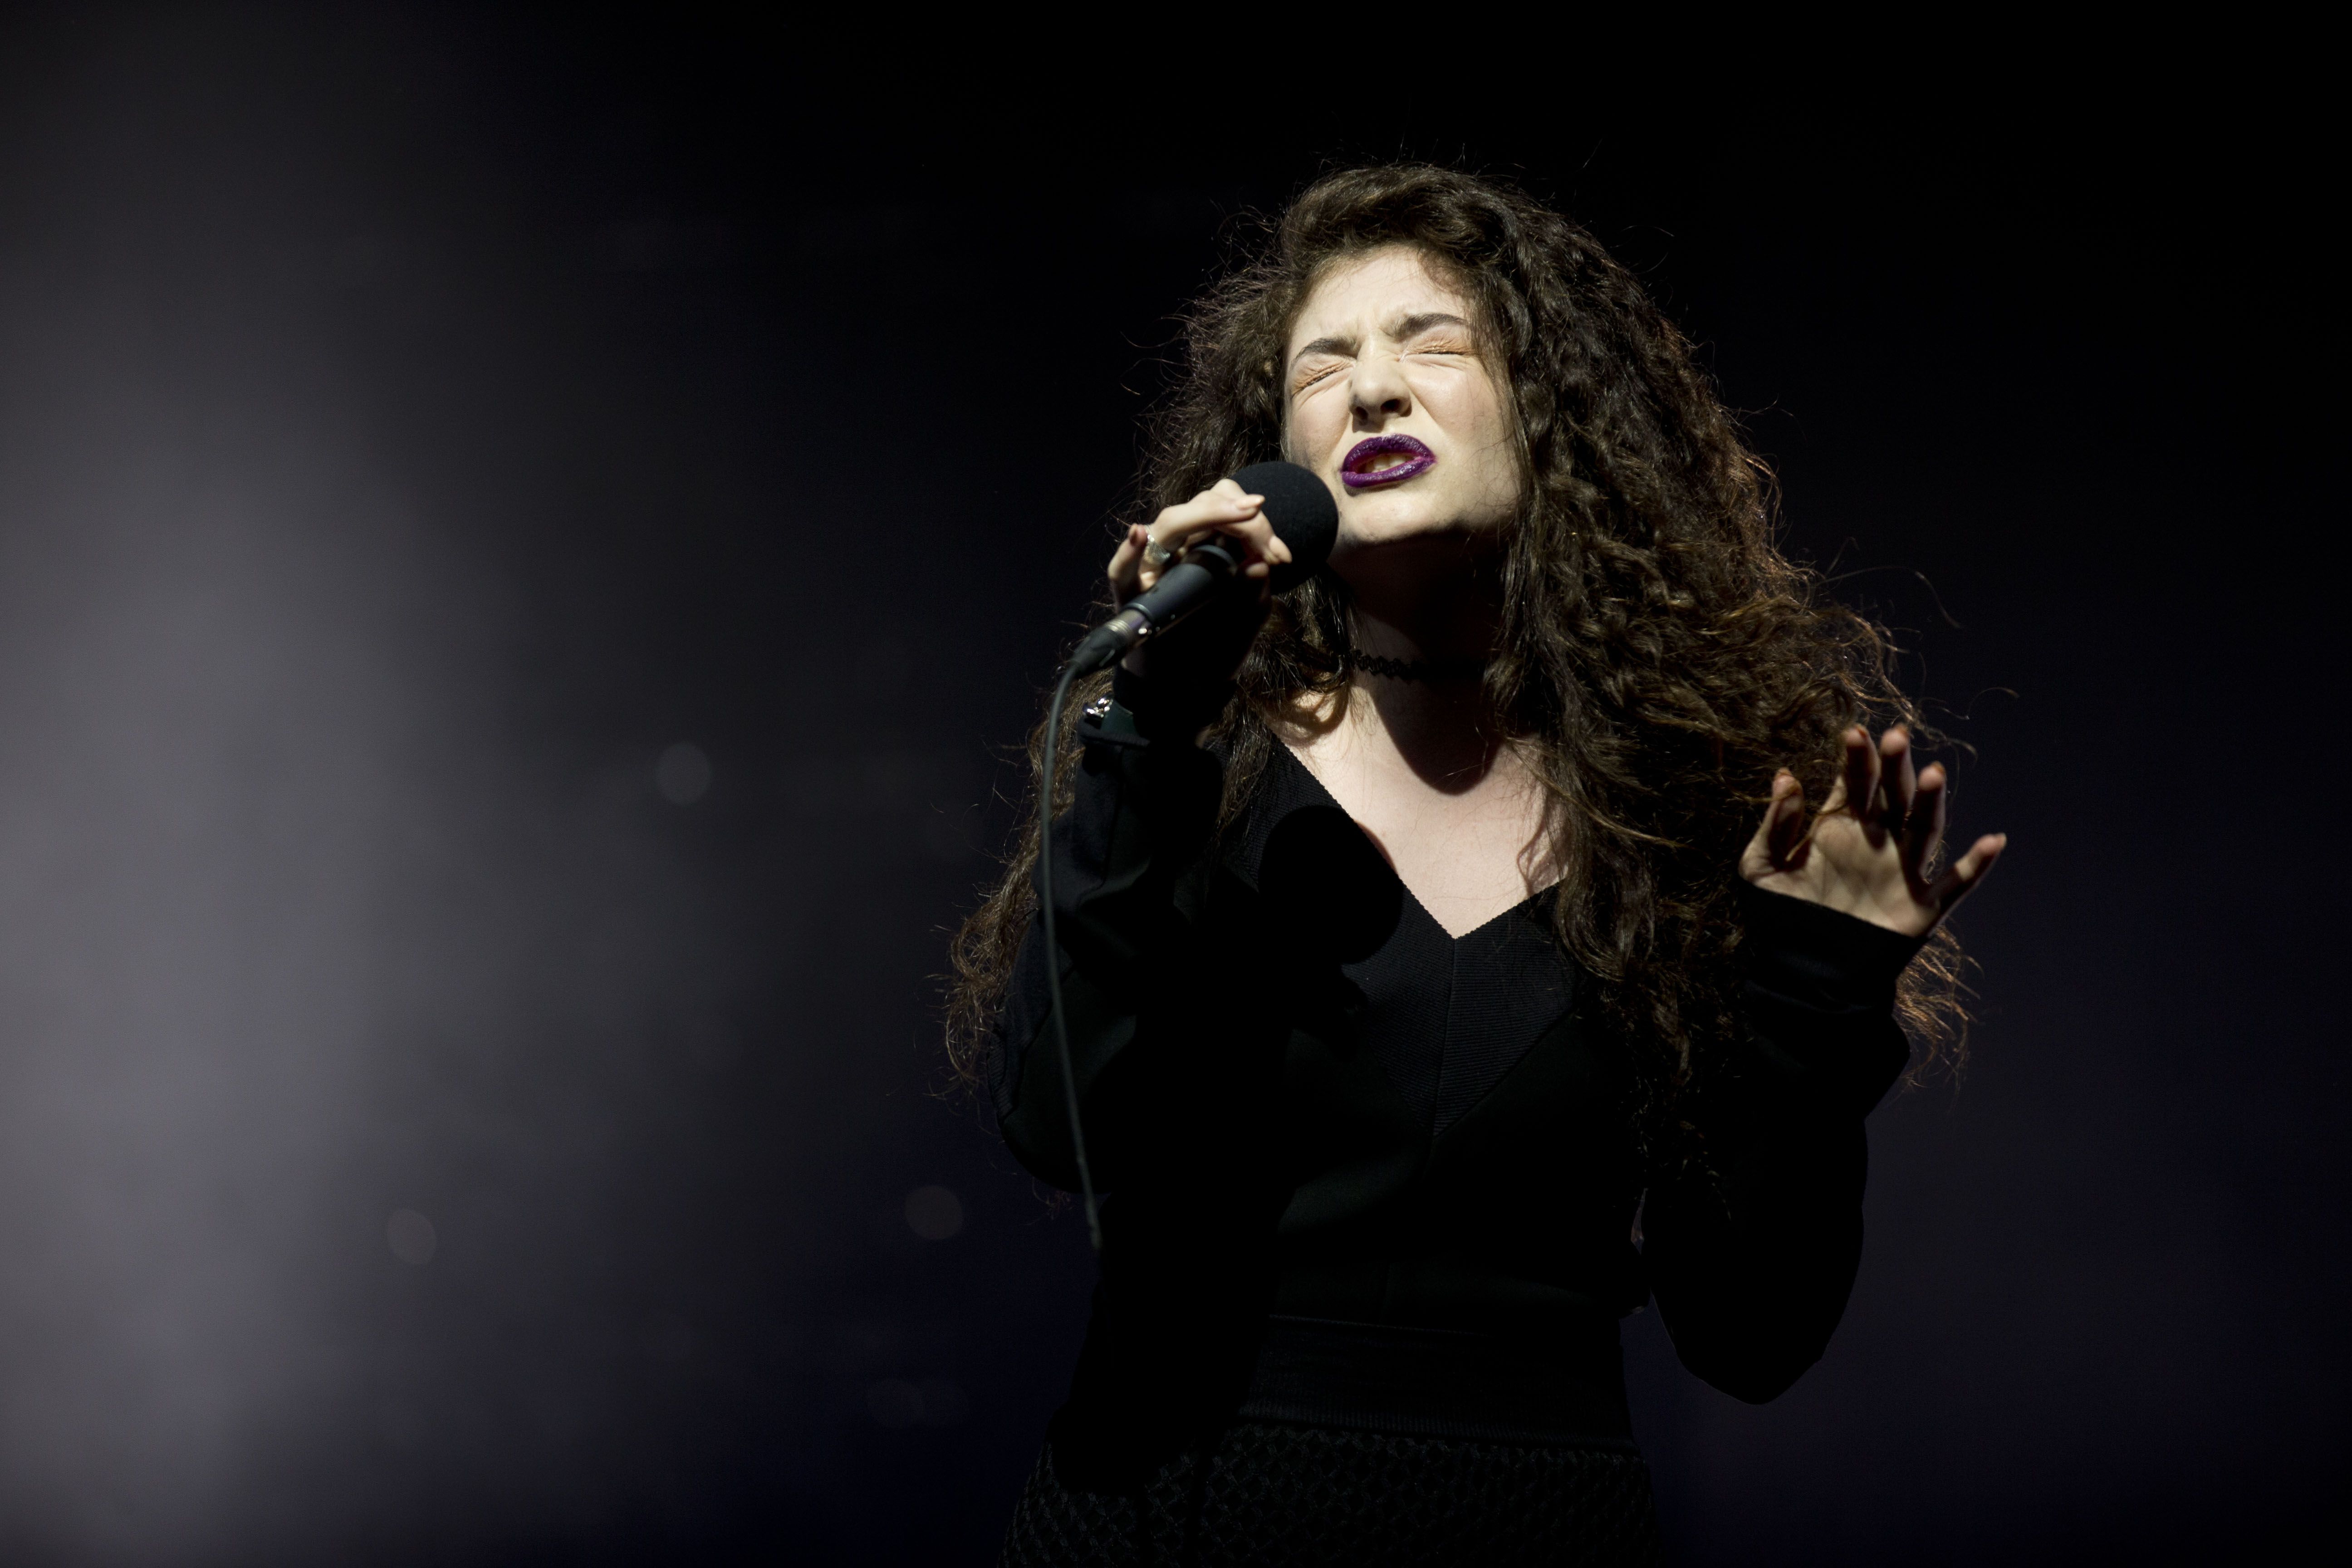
point(1367, 521)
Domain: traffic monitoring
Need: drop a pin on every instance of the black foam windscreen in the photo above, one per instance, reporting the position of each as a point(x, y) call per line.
point(1304, 515)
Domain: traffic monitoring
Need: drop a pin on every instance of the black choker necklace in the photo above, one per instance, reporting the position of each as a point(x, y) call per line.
point(1417, 668)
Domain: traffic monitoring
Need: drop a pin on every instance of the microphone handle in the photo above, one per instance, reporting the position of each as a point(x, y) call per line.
point(1181, 589)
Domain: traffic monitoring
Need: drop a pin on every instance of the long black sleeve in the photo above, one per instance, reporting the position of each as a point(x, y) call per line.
point(1148, 943)
point(1752, 1247)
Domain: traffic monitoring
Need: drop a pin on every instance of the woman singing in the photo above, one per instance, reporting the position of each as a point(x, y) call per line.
point(1512, 922)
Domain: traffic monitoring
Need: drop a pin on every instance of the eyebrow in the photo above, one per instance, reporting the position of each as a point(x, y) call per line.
point(1410, 327)
point(1413, 326)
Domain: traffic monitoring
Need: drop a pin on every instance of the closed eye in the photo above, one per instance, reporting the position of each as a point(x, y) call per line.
point(1309, 375)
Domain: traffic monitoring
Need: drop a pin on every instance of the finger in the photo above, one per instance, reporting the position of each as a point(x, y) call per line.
point(1923, 829)
point(1784, 819)
point(1901, 778)
point(1778, 844)
point(1223, 500)
point(1258, 534)
point(1967, 872)
point(1178, 526)
point(1861, 772)
point(1252, 534)
point(1127, 563)
point(1227, 493)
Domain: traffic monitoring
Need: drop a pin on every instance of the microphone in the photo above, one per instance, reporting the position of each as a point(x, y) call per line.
point(1300, 508)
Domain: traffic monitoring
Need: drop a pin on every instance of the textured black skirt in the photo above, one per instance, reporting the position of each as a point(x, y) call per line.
point(1360, 1448)
point(1271, 1495)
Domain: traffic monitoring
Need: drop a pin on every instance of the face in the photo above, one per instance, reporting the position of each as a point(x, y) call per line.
point(1395, 401)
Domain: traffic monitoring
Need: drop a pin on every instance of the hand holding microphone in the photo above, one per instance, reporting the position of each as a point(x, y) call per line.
point(1225, 509)
point(1226, 552)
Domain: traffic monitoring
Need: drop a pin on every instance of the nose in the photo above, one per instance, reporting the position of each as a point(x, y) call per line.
point(1377, 392)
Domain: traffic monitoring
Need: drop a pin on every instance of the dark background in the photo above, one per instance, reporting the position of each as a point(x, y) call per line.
point(414, 425)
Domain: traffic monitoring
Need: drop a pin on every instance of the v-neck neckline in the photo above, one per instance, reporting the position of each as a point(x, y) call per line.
point(1333, 801)
point(1445, 1018)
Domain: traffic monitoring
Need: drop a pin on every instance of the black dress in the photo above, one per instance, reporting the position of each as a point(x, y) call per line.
point(1369, 1190)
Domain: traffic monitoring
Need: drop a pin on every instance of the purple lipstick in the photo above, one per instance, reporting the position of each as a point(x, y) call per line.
point(1362, 473)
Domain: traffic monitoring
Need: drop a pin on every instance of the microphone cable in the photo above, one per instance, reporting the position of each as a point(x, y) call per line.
point(1054, 950)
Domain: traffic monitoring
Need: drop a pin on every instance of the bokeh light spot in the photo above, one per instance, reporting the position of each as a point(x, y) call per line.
point(934, 1213)
point(682, 775)
point(412, 1237)
point(944, 1403)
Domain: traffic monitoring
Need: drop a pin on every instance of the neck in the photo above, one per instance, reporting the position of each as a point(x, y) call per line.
point(1437, 601)
point(1434, 597)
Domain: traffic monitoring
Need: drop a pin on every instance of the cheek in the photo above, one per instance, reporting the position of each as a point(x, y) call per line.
point(1466, 406)
point(1466, 409)
point(1472, 413)
point(1313, 427)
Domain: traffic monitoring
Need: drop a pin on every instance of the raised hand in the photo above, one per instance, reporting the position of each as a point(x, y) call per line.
point(1868, 852)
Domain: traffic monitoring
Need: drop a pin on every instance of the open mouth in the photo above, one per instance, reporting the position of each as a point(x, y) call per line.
point(1385, 460)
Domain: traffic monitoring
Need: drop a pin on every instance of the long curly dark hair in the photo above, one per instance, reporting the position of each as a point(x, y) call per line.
point(1659, 657)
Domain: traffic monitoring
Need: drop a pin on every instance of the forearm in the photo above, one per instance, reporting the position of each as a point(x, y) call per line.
point(1752, 1247)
